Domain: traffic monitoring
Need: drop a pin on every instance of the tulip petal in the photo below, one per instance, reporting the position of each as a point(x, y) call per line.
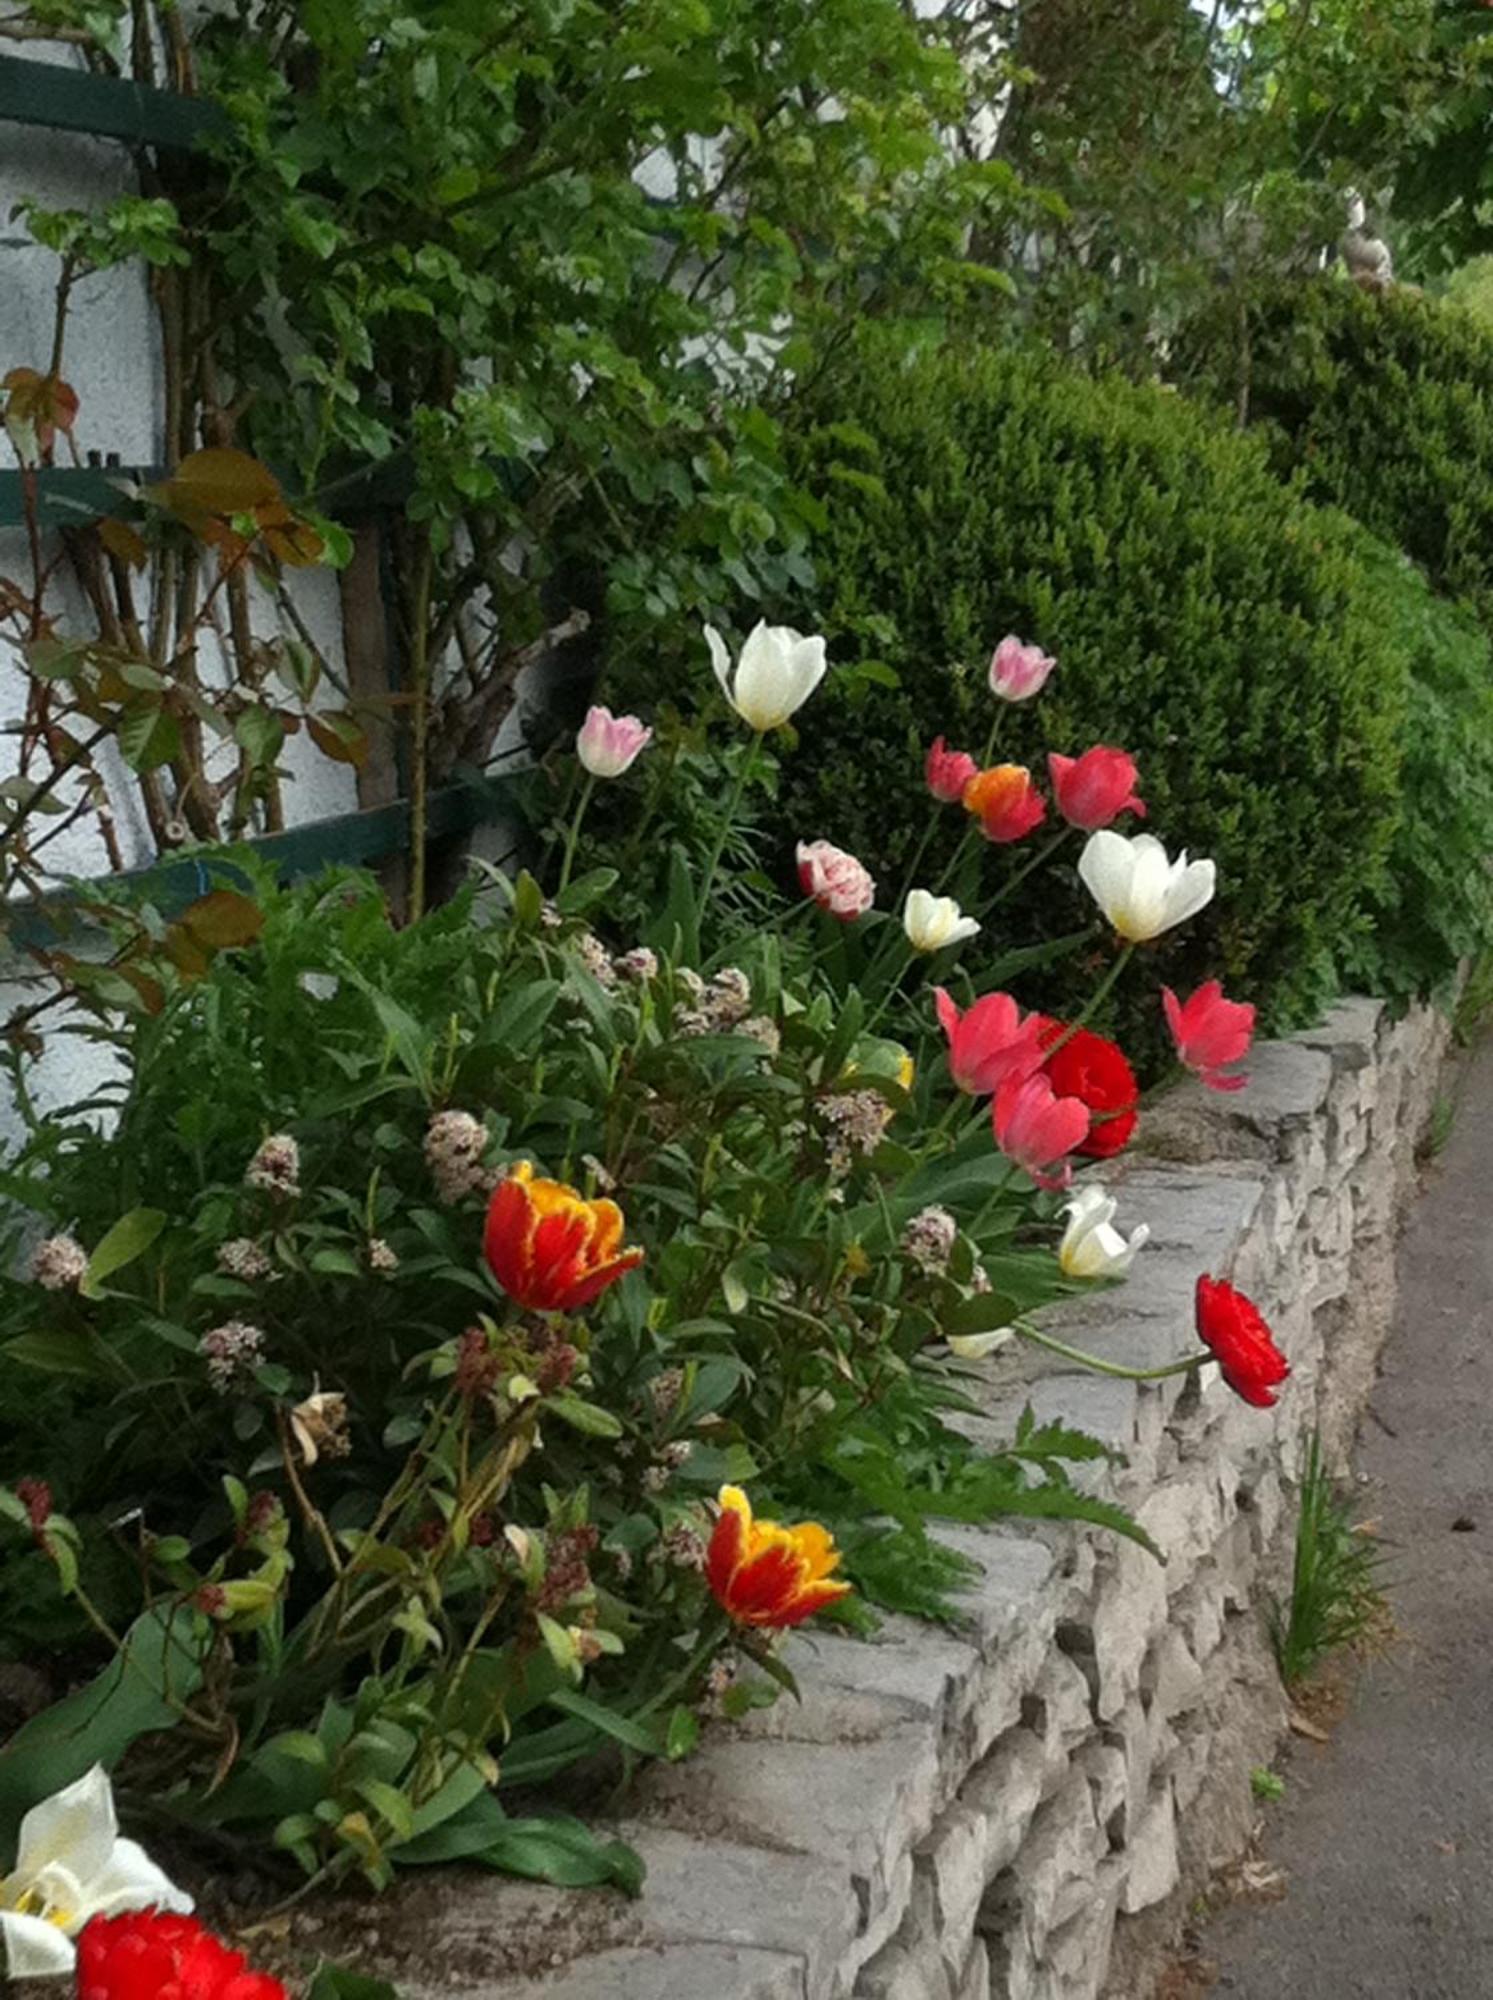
point(131, 1881)
point(1104, 868)
point(35, 1949)
point(764, 679)
point(1193, 892)
point(76, 1827)
point(808, 661)
point(720, 659)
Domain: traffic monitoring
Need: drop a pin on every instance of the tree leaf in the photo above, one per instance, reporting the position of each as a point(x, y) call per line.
point(130, 1238)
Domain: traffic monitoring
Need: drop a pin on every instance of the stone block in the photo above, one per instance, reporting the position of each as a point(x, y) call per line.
point(1349, 1034)
point(1171, 1680)
point(1004, 1788)
point(641, 1973)
point(1152, 1855)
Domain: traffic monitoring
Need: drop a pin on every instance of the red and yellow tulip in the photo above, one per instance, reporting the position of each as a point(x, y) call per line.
point(763, 1574)
point(548, 1247)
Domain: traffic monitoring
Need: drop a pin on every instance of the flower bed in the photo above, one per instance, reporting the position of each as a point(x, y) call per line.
point(475, 1347)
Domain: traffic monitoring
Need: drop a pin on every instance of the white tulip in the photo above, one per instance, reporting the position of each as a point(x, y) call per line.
point(71, 1865)
point(777, 672)
point(1092, 1247)
point(931, 922)
point(975, 1346)
point(1138, 889)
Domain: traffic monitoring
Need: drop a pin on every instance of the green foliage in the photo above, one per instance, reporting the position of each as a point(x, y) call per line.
point(487, 1569)
point(1335, 1594)
point(1204, 618)
point(1267, 1785)
point(1433, 907)
point(1382, 403)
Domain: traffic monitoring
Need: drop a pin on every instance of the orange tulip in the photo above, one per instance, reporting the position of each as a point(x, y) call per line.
point(763, 1574)
point(1005, 801)
point(548, 1247)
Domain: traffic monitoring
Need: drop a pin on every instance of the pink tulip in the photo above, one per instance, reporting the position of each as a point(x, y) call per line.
point(610, 744)
point(1094, 789)
point(948, 772)
point(1017, 671)
point(1035, 1127)
point(1209, 1032)
point(989, 1041)
point(835, 880)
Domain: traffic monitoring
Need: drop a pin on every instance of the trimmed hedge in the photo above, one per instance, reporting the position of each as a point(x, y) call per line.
point(1205, 617)
point(1383, 403)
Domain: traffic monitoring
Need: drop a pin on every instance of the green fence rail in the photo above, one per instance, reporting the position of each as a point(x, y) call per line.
point(64, 99)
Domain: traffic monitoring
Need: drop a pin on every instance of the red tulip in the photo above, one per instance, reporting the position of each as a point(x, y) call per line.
point(147, 1956)
point(1006, 802)
point(766, 1575)
point(1094, 789)
point(548, 1247)
point(987, 1042)
point(1209, 1032)
point(1242, 1344)
point(948, 772)
point(1036, 1128)
point(1096, 1072)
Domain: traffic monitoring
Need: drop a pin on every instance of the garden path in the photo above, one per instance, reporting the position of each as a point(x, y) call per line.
point(1386, 1834)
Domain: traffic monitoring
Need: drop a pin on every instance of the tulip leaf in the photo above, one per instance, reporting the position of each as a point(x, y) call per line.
point(138, 1693)
point(622, 1728)
point(130, 1238)
point(582, 1416)
point(586, 893)
point(336, 1982)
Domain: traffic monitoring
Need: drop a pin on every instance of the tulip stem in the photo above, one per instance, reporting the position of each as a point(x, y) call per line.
point(1044, 853)
point(738, 787)
point(1061, 1347)
point(1096, 1000)
point(575, 833)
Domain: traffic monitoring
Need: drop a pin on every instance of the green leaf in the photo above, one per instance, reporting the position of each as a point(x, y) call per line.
point(621, 1728)
point(585, 893)
point(682, 1735)
point(132, 1697)
point(582, 1416)
point(335, 1982)
point(565, 1852)
point(64, 1351)
point(130, 1238)
point(148, 736)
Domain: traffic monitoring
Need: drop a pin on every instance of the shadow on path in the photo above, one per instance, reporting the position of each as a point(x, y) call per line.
point(1386, 1835)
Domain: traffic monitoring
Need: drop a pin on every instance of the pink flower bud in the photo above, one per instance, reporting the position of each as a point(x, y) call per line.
point(1036, 1128)
point(1018, 671)
point(836, 881)
point(610, 744)
point(1094, 789)
point(948, 772)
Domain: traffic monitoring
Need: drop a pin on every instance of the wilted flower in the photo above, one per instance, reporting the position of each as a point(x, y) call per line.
point(933, 922)
point(948, 772)
point(684, 1546)
point(454, 1144)
point(548, 1247)
point(762, 1574)
point(777, 672)
point(1210, 1032)
point(729, 995)
point(929, 1238)
point(276, 1166)
point(638, 965)
point(1036, 1128)
point(1018, 671)
point(232, 1352)
point(1092, 1247)
point(834, 880)
point(608, 744)
point(1233, 1327)
point(58, 1264)
point(977, 1346)
point(665, 1389)
point(382, 1257)
point(1006, 802)
point(1138, 888)
point(989, 1041)
point(241, 1257)
point(35, 1495)
point(1094, 789)
point(320, 1426)
point(72, 1866)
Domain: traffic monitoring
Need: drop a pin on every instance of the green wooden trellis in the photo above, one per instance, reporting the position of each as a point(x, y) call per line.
point(63, 99)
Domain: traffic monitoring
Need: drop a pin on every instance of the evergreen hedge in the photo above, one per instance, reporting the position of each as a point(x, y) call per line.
point(1205, 616)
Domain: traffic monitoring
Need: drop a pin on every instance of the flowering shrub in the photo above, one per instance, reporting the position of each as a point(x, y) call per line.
point(404, 1386)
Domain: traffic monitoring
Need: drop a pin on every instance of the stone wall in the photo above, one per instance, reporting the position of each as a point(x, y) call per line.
point(1023, 1808)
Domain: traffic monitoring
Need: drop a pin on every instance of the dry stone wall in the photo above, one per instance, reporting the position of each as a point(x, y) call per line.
point(1022, 1807)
